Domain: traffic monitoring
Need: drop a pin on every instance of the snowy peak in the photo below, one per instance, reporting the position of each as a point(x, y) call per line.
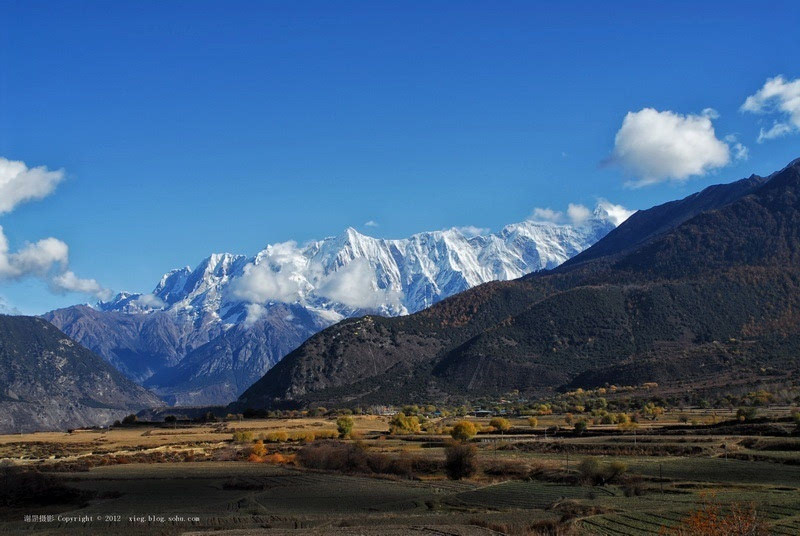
point(353, 273)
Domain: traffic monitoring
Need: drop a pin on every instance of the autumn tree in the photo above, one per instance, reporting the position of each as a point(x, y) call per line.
point(344, 425)
point(403, 424)
point(499, 423)
point(463, 431)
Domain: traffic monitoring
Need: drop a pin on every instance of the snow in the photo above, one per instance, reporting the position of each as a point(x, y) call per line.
point(393, 277)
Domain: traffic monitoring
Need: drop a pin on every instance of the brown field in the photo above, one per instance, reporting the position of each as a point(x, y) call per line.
point(192, 478)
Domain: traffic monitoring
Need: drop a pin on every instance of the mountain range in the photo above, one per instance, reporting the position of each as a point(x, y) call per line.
point(49, 382)
point(701, 290)
point(206, 334)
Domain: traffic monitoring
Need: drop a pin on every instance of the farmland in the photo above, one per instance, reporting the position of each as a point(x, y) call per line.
point(278, 477)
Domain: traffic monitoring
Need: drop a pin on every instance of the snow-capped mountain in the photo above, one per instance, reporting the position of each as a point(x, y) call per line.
point(203, 335)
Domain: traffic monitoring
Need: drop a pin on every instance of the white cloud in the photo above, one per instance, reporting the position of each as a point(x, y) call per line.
point(777, 130)
point(354, 285)
point(274, 278)
point(371, 223)
point(254, 312)
point(654, 146)
point(36, 259)
point(740, 152)
point(616, 214)
point(546, 214)
point(150, 300)
point(7, 308)
point(471, 231)
point(69, 282)
point(779, 97)
point(48, 258)
point(261, 284)
point(578, 214)
point(19, 183)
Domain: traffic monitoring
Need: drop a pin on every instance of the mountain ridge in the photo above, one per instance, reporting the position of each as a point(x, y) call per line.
point(50, 382)
point(673, 297)
point(204, 335)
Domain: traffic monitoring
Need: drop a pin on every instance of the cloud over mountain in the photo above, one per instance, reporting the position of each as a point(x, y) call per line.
point(654, 146)
point(578, 214)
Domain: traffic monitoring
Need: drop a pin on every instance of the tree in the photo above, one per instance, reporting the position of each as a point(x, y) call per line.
point(460, 460)
point(743, 414)
point(463, 431)
point(622, 418)
point(651, 411)
point(344, 425)
point(130, 419)
point(317, 412)
point(533, 422)
point(402, 424)
point(594, 472)
point(259, 449)
point(171, 419)
point(581, 426)
point(499, 423)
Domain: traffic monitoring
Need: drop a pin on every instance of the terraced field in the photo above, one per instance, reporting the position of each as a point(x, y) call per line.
point(194, 479)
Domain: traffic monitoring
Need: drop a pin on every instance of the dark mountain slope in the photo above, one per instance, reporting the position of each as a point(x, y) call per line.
point(224, 367)
point(136, 344)
point(50, 382)
point(699, 299)
point(645, 225)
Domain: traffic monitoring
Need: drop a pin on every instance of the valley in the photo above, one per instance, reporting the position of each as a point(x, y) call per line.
point(267, 476)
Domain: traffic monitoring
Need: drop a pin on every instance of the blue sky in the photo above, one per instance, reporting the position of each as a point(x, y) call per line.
point(185, 128)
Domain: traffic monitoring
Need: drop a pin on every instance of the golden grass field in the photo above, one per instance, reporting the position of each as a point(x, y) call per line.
point(192, 478)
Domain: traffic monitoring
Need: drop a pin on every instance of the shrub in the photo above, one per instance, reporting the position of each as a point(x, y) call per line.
point(463, 431)
point(344, 425)
point(305, 437)
point(533, 422)
point(279, 459)
point(276, 437)
point(334, 457)
point(633, 486)
point(460, 460)
point(708, 520)
point(242, 436)
point(355, 458)
point(508, 469)
point(24, 487)
point(594, 472)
